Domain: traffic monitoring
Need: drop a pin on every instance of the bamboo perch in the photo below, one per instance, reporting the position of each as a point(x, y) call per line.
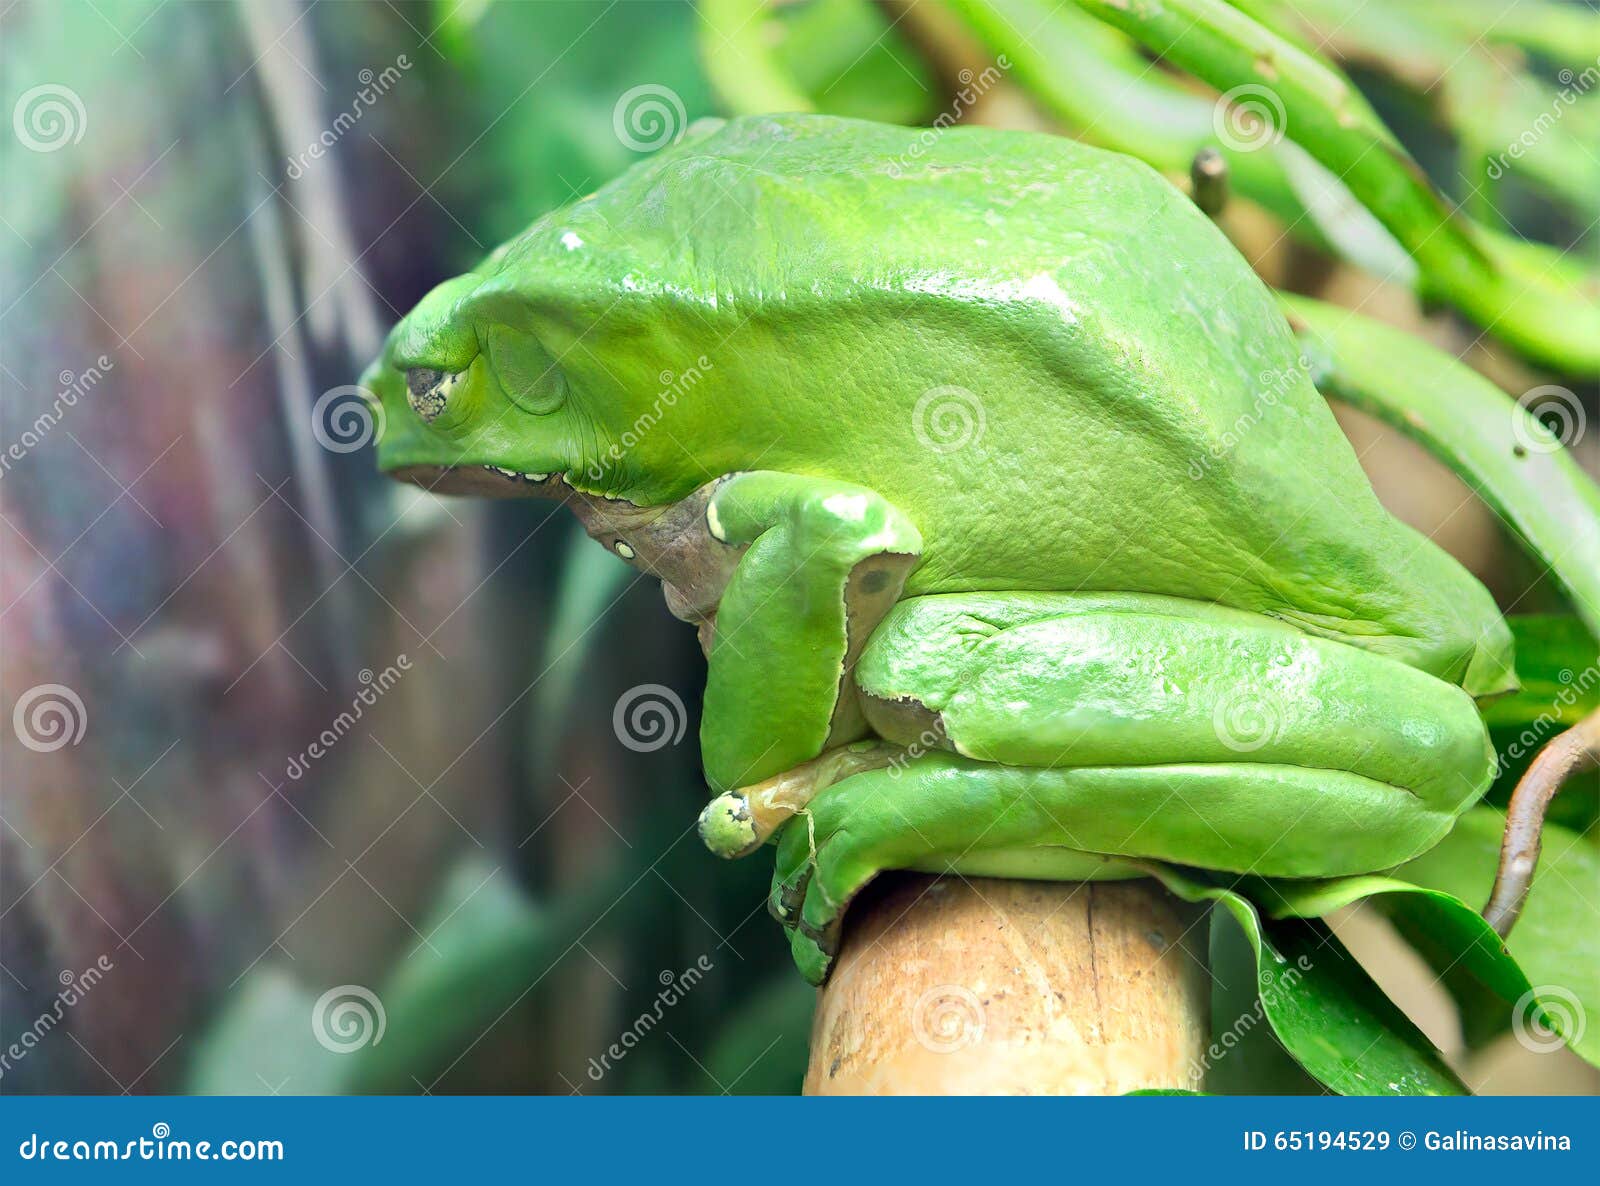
point(954, 986)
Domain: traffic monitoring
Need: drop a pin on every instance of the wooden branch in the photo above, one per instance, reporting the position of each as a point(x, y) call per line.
point(952, 986)
point(1573, 752)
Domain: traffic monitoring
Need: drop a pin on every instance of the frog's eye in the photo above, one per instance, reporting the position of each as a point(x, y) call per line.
point(428, 391)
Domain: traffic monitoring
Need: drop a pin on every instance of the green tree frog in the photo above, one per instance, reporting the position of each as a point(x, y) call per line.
point(1018, 538)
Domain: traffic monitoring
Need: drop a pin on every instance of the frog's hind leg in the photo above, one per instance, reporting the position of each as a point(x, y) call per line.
point(1135, 727)
point(1091, 681)
point(942, 812)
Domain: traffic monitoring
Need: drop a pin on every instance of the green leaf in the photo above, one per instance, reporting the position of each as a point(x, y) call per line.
point(1449, 935)
point(486, 947)
point(480, 946)
point(1559, 666)
point(840, 57)
point(1560, 672)
point(592, 581)
point(761, 1048)
point(1546, 975)
point(1323, 1007)
point(262, 1042)
point(1520, 292)
point(1557, 940)
point(1244, 1056)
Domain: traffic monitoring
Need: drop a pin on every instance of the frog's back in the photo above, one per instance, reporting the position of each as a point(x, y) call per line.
point(1043, 352)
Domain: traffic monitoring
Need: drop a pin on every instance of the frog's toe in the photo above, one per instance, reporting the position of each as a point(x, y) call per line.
point(842, 868)
point(810, 956)
point(728, 828)
point(791, 874)
point(822, 863)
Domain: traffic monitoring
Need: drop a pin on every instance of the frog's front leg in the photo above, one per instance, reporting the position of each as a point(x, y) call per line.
point(825, 561)
point(1055, 733)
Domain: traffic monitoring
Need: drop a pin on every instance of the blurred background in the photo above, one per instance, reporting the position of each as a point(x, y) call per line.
point(345, 790)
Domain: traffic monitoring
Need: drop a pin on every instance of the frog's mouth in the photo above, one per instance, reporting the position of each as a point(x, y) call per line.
point(479, 481)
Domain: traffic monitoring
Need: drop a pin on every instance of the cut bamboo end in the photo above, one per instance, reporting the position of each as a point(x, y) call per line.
point(953, 986)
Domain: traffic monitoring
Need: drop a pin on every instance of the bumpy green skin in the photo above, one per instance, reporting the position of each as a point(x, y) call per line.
point(1149, 522)
point(1526, 474)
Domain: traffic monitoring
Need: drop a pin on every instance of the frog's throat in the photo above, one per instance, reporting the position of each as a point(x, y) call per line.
point(673, 542)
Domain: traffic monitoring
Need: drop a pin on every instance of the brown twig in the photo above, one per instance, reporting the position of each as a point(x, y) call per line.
point(1572, 752)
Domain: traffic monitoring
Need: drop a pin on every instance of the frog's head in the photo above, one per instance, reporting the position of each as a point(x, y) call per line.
point(548, 365)
point(473, 401)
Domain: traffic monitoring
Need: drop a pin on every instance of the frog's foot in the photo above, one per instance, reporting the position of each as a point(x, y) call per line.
point(736, 823)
